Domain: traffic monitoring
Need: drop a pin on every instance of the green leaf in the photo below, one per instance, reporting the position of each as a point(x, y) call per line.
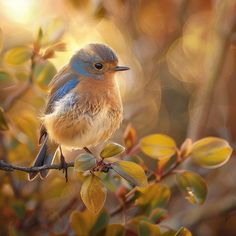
point(183, 232)
point(19, 209)
point(43, 74)
point(93, 193)
point(152, 196)
point(135, 158)
point(18, 55)
point(100, 223)
point(84, 162)
point(164, 165)
point(111, 149)
point(6, 79)
point(157, 215)
point(211, 152)
point(130, 171)
point(3, 122)
point(158, 146)
point(146, 228)
point(115, 230)
point(193, 187)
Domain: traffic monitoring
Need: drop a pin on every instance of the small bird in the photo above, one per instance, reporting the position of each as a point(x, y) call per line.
point(84, 106)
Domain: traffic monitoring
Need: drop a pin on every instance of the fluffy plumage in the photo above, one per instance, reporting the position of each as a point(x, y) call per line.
point(84, 107)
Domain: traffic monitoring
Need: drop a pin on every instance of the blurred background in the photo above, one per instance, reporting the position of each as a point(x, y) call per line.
point(182, 55)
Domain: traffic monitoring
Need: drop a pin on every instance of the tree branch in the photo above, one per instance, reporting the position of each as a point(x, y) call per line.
point(9, 167)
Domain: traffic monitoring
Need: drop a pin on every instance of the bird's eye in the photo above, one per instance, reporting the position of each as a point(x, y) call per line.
point(98, 66)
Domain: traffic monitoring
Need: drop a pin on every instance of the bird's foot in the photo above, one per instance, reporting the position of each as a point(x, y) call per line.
point(63, 165)
point(64, 168)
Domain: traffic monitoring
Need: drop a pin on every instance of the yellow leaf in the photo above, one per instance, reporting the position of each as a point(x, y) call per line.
point(82, 222)
point(193, 187)
point(111, 149)
point(84, 162)
point(158, 146)
point(146, 228)
point(186, 148)
point(135, 221)
point(115, 230)
point(3, 122)
point(43, 73)
point(131, 171)
point(93, 193)
point(183, 232)
point(22, 75)
point(18, 55)
point(129, 137)
point(211, 152)
point(154, 195)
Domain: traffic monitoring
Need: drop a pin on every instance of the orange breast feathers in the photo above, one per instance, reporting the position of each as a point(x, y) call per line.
point(95, 115)
point(105, 91)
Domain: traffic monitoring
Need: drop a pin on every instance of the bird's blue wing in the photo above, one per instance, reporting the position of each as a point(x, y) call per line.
point(65, 88)
point(61, 85)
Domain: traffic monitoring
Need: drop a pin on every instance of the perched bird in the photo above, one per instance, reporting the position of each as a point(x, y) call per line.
point(84, 106)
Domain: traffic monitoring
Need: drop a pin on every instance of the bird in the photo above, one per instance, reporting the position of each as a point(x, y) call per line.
point(83, 106)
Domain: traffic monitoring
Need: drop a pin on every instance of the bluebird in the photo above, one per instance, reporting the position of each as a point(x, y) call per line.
point(84, 106)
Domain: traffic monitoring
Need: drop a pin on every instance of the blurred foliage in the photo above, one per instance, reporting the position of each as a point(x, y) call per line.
point(181, 88)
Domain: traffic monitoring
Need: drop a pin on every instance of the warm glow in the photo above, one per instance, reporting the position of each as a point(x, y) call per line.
point(18, 10)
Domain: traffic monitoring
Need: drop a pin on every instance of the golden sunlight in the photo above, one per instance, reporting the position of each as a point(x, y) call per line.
point(18, 10)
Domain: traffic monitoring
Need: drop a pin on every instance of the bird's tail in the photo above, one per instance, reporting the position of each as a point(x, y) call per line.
point(45, 157)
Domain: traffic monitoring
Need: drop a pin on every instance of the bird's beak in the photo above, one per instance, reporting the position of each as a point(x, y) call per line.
point(121, 68)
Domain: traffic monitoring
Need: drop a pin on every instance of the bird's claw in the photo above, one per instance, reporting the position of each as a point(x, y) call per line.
point(64, 167)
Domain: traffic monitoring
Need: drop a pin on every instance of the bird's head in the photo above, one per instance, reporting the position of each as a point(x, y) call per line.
point(95, 60)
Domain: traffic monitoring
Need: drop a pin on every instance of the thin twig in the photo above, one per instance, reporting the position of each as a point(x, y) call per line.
point(9, 167)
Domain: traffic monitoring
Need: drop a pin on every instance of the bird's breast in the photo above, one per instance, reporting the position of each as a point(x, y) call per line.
point(83, 120)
